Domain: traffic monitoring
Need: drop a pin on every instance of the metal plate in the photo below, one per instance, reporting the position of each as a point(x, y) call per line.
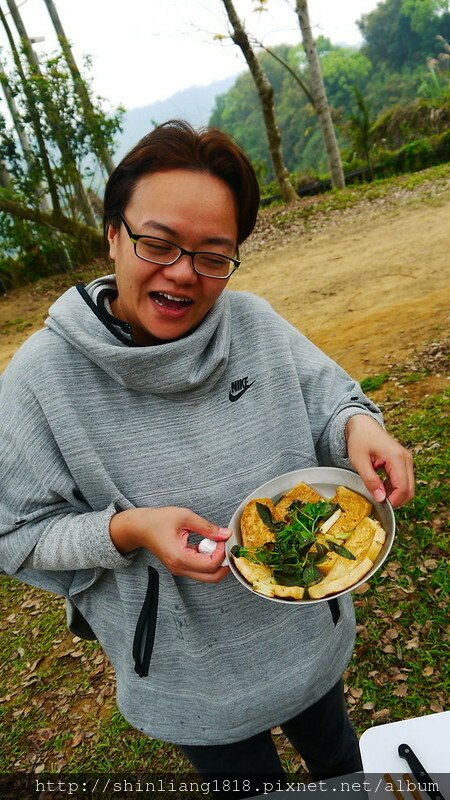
point(324, 480)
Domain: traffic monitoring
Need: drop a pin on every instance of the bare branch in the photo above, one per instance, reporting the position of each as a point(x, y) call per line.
point(90, 239)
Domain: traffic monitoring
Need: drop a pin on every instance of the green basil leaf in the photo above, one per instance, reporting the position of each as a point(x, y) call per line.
point(327, 510)
point(321, 553)
point(340, 550)
point(266, 516)
point(288, 578)
point(311, 574)
point(305, 547)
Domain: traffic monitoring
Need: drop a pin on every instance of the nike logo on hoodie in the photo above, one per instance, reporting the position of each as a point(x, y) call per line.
point(238, 388)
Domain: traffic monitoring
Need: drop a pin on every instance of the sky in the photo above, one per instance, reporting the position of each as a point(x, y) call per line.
point(147, 50)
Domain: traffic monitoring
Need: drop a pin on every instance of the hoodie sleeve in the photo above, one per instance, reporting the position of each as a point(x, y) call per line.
point(331, 397)
point(49, 535)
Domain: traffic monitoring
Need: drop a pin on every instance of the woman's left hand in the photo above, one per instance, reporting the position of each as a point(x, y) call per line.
point(370, 448)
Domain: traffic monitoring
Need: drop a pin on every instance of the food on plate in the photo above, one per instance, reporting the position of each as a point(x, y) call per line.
point(307, 546)
point(253, 529)
point(302, 492)
point(354, 509)
point(262, 580)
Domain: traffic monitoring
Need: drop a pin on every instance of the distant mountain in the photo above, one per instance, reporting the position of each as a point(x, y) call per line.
point(194, 104)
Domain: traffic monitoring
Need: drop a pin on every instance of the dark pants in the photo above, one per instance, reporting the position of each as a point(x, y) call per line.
point(322, 734)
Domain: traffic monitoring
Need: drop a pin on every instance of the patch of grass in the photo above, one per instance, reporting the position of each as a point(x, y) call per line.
point(431, 182)
point(373, 382)
point(412, 377)
point(57, 697)
point(400, 660)
point(18, 325)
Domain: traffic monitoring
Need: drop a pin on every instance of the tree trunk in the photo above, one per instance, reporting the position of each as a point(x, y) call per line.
point(34, 117)
point(15, 116)
point(265, 92)
point(5, 180)
point(21, 133)
point(79, 83)
point(80, 194)
point(320, 97)
point(90, 239)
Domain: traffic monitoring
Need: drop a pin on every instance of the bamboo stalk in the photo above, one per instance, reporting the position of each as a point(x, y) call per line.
point(34, 119)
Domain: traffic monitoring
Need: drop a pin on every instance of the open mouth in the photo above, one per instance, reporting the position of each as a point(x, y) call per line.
point(165, 300)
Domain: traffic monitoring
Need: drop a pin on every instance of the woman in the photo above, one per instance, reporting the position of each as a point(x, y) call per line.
point(150, 405)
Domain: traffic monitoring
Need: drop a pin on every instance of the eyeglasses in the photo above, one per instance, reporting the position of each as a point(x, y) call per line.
point(164, 253)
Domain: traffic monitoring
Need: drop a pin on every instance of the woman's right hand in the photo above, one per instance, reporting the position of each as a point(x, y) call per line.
point(165, 532)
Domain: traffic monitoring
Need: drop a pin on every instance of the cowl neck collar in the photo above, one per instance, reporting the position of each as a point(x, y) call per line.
point(191, 364)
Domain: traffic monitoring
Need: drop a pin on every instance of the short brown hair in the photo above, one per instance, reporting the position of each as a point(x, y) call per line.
point(176, 145)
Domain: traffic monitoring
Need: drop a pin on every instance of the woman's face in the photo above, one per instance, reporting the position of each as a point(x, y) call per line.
point(192, 209)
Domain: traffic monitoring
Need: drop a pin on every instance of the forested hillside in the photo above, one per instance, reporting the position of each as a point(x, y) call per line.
point(401, 72)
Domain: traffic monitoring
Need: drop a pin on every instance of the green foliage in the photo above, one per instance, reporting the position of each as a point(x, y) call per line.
point(359, 130)
point(416, 155)
point(391, 93)
point(436, 84)
point(238, 111)
point(30, 251)
point(345, 71)
point(74, 142)
point(402, 33)
point(66, 127)
point(403, 124)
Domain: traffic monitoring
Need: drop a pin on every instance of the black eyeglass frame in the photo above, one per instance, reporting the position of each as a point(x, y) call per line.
point(135, 237)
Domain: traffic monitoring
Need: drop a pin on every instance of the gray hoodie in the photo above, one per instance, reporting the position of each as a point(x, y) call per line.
point(91, 424)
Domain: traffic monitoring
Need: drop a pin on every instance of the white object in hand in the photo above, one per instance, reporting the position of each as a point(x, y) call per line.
point(208, 546)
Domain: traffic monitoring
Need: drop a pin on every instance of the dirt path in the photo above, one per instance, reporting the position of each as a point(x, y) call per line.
point(368, 288)
point(367, 291)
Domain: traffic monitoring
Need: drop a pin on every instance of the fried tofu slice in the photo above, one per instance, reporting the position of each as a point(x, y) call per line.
point(301, 492)
point(260, 577)
point(277, 590)
point(328, 561)
point(332, 586)
point(254, 532)
point(365, 543)
point(367, 529)
point(354, 509)
point(252, 572)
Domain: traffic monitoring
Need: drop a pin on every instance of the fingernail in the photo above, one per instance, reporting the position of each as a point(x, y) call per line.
point(379, 495)
point(225, 532)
